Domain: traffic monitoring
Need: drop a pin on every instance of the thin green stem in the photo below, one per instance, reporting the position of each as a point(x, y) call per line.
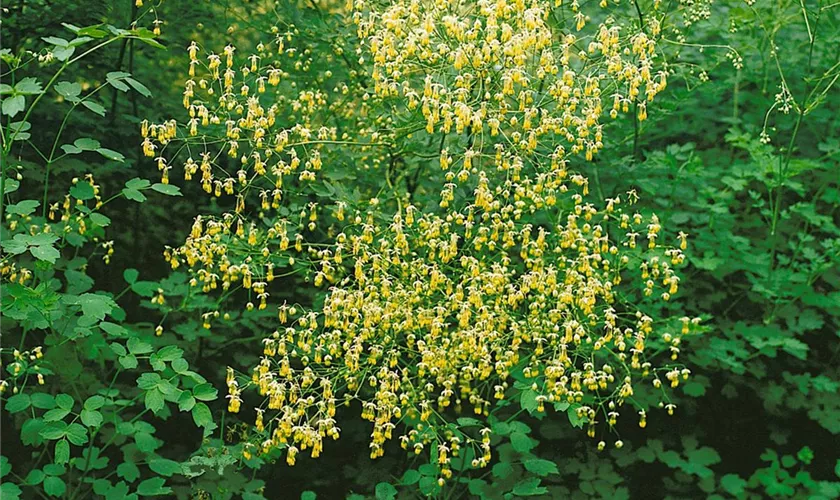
point(4, 158)
point(52, 159)
point(9, 139)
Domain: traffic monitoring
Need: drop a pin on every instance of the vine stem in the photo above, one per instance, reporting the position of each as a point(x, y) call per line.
point(784, 160)
point(636, 132)
point(4, 159)
point(52, 159)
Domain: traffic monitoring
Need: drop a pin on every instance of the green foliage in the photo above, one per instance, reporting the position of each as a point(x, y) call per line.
point(69, 384)
point(113, 361)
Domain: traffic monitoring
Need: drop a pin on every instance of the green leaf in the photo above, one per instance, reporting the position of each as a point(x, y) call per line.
point(153, 487)
point(82, 191)
point(86, 144)
point(165, 467)
point(118, 349)
point(56, 41)
point(170, 353)
point(102, 486)
point(62, 451)
point(541, 467)
point(788, 461)
point(92, 31)
point(81, 40)
point(95, 305)
point(157, 364)
point(167, 189)
point(56, 414)
point(428, 470)
point(154, 400)
point(205, 392)
point(143, 33)
point(574, 418)
point(91, 418)
point(168, 388)
point(120, 492)
point(30, 432)
point(54, 470)
point(180, 365)
point(18, 403)
point(128, 471)
point(69, 91)
point(19, 132)
point(115, 79)
point(130, 275)
point(35, 476)
point(133, 187)
point(528, 401)
point(694, 389)
point(428, 486)
point(139, 87)
point(144, 288)
point(77, 434)
point(410, 477)
point(43, 401)
point(500, 428)
point(111, 154)
point(145, 442)
point(805, 455)
point(13, 105)
point(385, 491)
point(11, 186)
point(186, 401)
point(43, 239)
point(308, 495)
point(17, 245)
point(94, 402)
point(9, 491)
point(63, 53)
point(201, 415)
point(529, 487)
point(476, 487)
point(77, 282)
point(54, 486)
point(137, 183)
point(28, 86)
point(796, 348)
point(137, 346)
point(502, 470)
point(45, 253)
point(733, 484)
point(703, 456)
point(95, 107)
point(129, 362)
point(65, 401)
point(24, 207)
point(521, 442)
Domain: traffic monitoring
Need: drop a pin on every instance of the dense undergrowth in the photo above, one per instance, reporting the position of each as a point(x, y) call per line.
point(399, 249)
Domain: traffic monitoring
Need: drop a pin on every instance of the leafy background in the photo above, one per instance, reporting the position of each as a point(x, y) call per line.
point(760, 418)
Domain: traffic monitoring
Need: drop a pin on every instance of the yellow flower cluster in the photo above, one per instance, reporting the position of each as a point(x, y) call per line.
point(275, 149)
point(11, 273)
point(22, 366)
point(500, 71)
point(72, 225)
point(436, 300)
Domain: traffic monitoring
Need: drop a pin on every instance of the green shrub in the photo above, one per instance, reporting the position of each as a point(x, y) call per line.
point(459, 236)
